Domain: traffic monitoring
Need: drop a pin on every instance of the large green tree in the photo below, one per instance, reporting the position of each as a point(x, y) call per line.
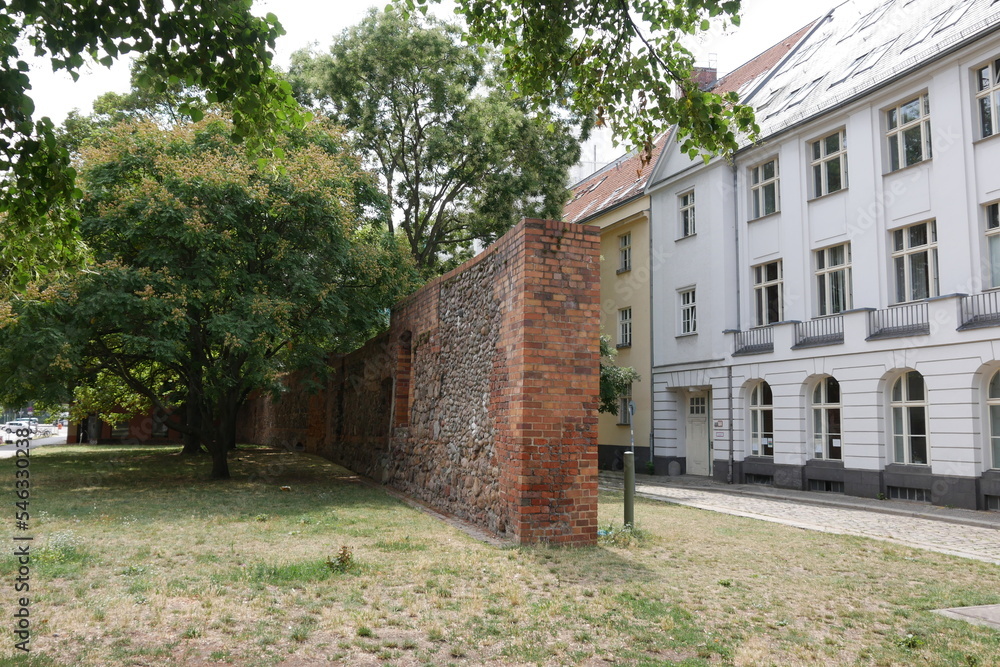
point(217, 46)
point(213, 274)
point(460, 160)
point(617, 61)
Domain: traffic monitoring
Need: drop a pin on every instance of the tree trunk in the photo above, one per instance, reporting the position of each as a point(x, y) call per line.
point(220, 460)
point(192, 419)
point(223, 432)
point(192, 445)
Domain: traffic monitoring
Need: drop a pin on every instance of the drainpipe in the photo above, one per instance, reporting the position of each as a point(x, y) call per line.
point(649, 226)
point(729, 368)
point(729, 380)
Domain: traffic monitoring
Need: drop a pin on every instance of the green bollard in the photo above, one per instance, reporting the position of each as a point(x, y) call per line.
point(629, 458)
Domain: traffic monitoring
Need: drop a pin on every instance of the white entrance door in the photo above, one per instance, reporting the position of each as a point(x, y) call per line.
point(699, 451)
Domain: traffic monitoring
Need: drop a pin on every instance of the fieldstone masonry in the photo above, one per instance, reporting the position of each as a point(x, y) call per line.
point(481, 399)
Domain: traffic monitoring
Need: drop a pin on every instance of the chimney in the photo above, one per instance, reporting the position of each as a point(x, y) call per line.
point(704, 76)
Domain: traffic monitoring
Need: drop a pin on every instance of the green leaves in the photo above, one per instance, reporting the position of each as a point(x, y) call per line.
point(214, 46)
point(210, 275)
point(459, 159)
point(616, 381)
point(618, 63)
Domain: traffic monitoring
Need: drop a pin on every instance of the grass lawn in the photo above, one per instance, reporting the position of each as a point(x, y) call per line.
point(138, 559)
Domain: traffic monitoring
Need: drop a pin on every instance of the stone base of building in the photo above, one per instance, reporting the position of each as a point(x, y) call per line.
point(610, 457)
point(670, 465)
point(896, 482)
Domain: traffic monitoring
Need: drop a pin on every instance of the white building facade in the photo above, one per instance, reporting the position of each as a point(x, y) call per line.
point(845, 269)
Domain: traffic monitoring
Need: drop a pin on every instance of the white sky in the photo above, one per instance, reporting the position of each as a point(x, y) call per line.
point(764, 22)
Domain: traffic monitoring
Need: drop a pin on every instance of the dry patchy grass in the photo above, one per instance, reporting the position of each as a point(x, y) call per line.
point(139, 560)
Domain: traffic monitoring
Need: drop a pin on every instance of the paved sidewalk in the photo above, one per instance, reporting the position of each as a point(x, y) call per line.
point(958, 532)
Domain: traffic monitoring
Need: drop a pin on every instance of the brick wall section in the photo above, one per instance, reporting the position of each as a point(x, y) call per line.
point(497, 421)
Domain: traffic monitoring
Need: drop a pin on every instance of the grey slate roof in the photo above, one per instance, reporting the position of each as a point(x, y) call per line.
point(860, 45)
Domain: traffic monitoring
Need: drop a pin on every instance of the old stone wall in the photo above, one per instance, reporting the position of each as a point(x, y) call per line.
point(481, 399)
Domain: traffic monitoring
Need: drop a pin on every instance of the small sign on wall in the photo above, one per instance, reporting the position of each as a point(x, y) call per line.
point(720, 435)
point(719, 423)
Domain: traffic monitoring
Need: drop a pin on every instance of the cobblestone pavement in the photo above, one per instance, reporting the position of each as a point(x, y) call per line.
point(958, 532)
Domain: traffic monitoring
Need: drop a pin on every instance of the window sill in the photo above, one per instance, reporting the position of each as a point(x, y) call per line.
point(623, 346)
point(912, 166)
point(829, 194)
point(689, 236)
point(686, 335)
point(621, 271)
point(768, 215)
point(983, 140)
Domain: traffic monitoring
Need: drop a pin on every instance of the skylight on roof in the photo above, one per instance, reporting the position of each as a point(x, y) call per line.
point(875, 15)
point(583, 212)
point(770, 98)
point(868, 19)
point(872, 58)
point(865, 62)
point(922, 35)
point(953, 17)
point(809, 50)
point(629, 189)
point(800, 95)
point(945, 19)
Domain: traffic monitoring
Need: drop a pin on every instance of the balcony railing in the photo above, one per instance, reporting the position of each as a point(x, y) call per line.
point(980, 310)
point(899, 321)
point(822, 331)
point(754, 341)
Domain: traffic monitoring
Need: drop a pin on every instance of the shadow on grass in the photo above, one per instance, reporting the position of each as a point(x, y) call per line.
point(152, 481)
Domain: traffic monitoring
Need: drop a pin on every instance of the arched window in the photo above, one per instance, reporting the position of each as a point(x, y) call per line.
point(993, 401)
point(909, 419)
point(826, 420)
point(761, 420)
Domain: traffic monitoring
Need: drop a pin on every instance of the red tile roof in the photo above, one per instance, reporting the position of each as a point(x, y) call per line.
point(619, 182)
point(752, 69)
point(625, 178)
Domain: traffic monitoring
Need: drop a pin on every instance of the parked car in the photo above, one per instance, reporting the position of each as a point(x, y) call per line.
point(11, 427)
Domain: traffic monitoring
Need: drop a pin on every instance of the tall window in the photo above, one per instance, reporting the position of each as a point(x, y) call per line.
point(689, 311)
point(625, 327)
point(993, 401)
point(914, 258)
point(908, 132)
point(686, 202)
point(993, 241)
point(625, 252)
point(761, 420)
point(833, 279)
point(829, 163)
point(988, 98)
point(624, 416)
point(767, 293)
point(826, 420)
point(909, 419)
point(764, 188)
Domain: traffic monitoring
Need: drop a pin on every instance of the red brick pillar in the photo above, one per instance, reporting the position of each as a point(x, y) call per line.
point(551, 475)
